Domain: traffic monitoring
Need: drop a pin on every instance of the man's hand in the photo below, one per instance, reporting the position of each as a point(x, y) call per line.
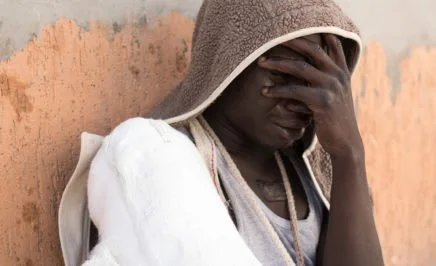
point(328, 94)
point(350, 233)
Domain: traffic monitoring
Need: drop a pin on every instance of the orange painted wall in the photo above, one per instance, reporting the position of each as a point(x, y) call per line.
point(68, 80)
point(400, 138)
point(64, 82)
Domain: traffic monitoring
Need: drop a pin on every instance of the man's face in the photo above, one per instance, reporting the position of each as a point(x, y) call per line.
point(266, 121)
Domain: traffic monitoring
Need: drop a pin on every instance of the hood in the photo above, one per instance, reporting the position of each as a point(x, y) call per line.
point(230, 35)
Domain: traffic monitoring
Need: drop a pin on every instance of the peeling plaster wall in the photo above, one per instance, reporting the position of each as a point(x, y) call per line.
point(70, 66)
point(28, 17)
point(65, 81)
point(400, 141)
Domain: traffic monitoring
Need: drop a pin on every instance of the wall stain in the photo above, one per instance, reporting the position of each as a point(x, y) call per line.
point(28, 262)
point(116, 27)
point(6, 47)
point(143, 20)
point(14, 90)
point(151, 49)
point(36, 228)
point(30, 190)
point(30, 212)
point(181, 57)
point(134, 70)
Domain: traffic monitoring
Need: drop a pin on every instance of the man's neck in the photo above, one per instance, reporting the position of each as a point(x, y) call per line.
point(236, 143)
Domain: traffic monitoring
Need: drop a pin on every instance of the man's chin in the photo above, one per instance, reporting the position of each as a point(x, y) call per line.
point(280, 138)
point(289, 135)
point(280, 143)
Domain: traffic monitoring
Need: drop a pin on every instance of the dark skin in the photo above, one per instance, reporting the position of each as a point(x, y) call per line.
point(303, 84)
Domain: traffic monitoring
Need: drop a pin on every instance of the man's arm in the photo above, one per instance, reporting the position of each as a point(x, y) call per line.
point(350, 234)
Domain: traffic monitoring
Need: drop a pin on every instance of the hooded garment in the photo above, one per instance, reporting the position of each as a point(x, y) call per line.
point(229, 36)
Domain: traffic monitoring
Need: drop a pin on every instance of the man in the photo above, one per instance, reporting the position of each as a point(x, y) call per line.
point(268, 104)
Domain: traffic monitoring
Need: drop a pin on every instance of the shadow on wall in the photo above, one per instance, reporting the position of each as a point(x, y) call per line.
point(69, 80)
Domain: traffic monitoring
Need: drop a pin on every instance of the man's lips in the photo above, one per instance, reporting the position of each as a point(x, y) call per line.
point(287, 133)
point(293, 123)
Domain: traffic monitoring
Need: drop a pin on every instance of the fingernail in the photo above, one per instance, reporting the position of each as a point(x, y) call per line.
point(262, 59)
point(265, 90)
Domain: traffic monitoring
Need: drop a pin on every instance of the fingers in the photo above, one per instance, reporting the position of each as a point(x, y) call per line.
point(297, 68)
point(336, 51)
point(298, 107)
point(285, 118)
point(330, 59)
point(314, 98)
point(315, 53)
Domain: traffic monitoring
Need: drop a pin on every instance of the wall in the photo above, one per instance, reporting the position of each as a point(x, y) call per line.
point(69, 66)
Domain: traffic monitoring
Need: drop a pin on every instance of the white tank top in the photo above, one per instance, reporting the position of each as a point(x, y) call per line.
point(254, 232)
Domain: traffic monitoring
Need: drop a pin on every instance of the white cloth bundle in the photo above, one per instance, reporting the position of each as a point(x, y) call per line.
point(154, 203)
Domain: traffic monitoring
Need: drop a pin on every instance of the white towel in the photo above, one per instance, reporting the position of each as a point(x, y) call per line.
point(154, 203)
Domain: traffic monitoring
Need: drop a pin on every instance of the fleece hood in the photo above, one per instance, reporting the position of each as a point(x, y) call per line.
point(230, 35)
